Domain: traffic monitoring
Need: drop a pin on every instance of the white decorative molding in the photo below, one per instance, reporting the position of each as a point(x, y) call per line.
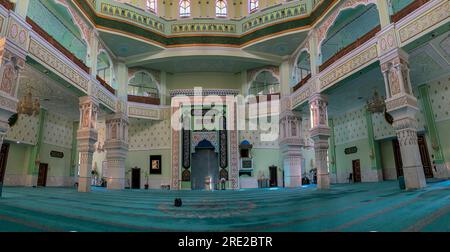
point(302, 94)
point(347, 65)
point(205, 92)
point(387, 39)
point(44, 53)
point(424, 19)
point(145, 111)
point(104, 96)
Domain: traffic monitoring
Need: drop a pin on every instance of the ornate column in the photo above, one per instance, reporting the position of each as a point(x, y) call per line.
point(291, 143)
point(402, 105)
point(13, 50)
point(87, 136)
point(320, 133)
point(116, 146)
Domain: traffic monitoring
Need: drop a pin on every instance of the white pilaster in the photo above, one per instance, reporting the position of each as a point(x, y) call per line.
point(116, 146)
point(87, 136)
point(291, 143)
point(320, 133)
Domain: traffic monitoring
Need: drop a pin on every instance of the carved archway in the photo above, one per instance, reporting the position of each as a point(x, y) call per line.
point(323, 28)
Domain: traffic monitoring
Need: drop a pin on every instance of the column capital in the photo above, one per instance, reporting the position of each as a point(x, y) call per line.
point(116, 143)
point(89, 107)
point(291, 139)
point(395, 56)
point(319, 116)
point(395, 69)
point(318, 97)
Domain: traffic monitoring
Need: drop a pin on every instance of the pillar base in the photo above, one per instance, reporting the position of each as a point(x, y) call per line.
point(292, 168)
point(323, 181)
point(440, 171)
point(115, 184)
point(84, 184)
point(414, 177)
point(293, 181)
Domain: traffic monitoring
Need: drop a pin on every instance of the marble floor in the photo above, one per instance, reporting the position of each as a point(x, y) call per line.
point(346, 207)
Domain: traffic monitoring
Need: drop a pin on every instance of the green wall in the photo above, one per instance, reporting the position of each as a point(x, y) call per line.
point(141, 159)
point(263, 159)
point(17, 162)
point(388, 160)
point(57, 167)
point(443, 128)
point(344, 162)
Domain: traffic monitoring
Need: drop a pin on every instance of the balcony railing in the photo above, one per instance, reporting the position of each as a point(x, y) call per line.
point(302, 82)
point(408, 9)
point(57, 45)
point(344, 51)
point(7, 4)
point(106, 85)
point(144, 99)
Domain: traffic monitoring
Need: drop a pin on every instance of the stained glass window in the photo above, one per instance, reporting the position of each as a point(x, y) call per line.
point(254, 4)
point(151, 5)
point(185, 8)
point(221, 8)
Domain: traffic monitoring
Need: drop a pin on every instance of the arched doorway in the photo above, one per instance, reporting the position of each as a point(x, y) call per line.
point(204, 164)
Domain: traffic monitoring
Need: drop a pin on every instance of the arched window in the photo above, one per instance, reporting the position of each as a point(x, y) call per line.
point(185, 8)
point(151, 5)
point(221, 8)
point(303, 68)
point(143, 84)
point(105, 68)
point(349, 26)
point(253, 5)
point(265, 83)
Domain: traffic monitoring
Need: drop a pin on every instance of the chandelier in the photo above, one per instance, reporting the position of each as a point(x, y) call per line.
point(376, 104)
point(26, 106)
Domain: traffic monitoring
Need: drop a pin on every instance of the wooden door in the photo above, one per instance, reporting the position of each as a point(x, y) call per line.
point(398, 158)
point(356, 171)
point(3, 161)
point(273, 176)
point(136, 178)
point(426, 162)
point(42, 176)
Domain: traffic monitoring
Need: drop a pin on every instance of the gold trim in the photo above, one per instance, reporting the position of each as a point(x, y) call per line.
point(133, 36)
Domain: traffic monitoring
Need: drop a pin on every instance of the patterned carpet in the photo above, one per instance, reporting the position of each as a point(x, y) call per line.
point(346, 207)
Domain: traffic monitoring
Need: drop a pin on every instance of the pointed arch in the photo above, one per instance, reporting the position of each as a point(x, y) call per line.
point(105, 68)
point(265, 82)
point(143, 83)
point(302, 66)
point(323, 28)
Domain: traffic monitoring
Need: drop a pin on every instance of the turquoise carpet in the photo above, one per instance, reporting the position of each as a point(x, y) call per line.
point(347, 207)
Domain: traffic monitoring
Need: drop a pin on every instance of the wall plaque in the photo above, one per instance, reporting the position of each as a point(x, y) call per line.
point(351, 150)
point(57, 154)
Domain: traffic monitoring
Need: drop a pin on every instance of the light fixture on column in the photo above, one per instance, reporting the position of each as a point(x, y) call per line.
point(376, 104)
point(27, 106)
